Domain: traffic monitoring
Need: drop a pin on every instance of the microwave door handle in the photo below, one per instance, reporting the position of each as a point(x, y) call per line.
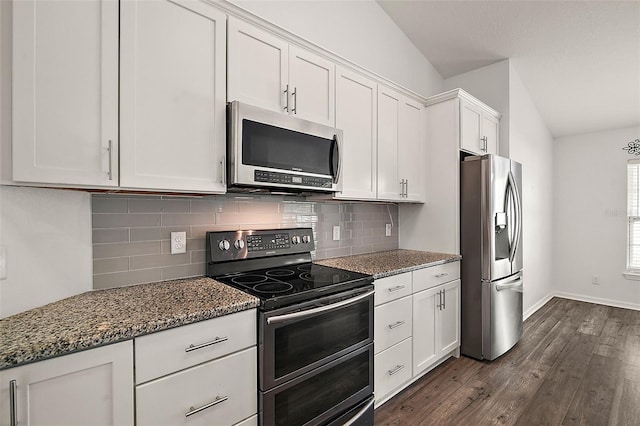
point(336, 163)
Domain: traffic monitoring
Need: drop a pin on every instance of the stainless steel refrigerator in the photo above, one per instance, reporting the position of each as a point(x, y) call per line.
point(491, 248)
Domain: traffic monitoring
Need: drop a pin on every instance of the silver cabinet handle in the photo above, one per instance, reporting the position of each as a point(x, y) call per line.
point(313, 311)
point(216, 401)
point(396, 288)
point(396, 324)
point(439, 304)
point(444, 274)
point(444, 299)
point(485, 144)
point(110, 151)
point(359, 413)
point(13, 403)
point(223, 168)
point(394, 370)
point(286, 97)
point(295, 100)
point(193, 347)
point(406, 188)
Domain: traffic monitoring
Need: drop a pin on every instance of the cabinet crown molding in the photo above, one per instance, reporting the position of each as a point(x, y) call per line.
point(461, 94)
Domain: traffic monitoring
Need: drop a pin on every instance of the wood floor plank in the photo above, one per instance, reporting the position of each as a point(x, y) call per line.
point(592, 402)
point(613, 338)
point(594, 322)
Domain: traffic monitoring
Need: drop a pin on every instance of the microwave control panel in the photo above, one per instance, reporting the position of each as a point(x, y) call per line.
point(291, 179)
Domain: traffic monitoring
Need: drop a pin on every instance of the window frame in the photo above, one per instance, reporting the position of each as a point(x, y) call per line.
point(632, 271)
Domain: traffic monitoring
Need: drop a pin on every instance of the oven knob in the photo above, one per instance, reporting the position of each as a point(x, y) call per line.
point(306, 239)
point(239, 244)
point(295, 239)
point(224, 245)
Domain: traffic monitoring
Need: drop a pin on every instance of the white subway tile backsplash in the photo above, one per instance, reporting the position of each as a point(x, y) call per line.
point(131, 234)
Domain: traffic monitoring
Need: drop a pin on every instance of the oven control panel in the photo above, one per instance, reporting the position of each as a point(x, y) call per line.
point(235, 245)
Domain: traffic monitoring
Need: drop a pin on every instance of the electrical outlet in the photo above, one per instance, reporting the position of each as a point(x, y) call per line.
point(387, 230)
point(178, 242)
point(595, 280)
point(336, 233)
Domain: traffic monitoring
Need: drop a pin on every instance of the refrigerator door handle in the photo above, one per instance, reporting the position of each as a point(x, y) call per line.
point(515, 278)
point(515, 284)
point(513, 188)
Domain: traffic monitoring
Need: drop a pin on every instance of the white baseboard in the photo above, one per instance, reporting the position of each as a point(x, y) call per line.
point(607, 302)
point(537, 306)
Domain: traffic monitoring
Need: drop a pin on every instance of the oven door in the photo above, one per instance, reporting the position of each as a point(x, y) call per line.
point(267, 148)
point(336, 393)
point(296, 339)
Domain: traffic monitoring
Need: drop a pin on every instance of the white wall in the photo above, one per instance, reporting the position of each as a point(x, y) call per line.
point(47, 236)
point(490, 84)
point(358, 30)
point(590, 217)
point(531, 144)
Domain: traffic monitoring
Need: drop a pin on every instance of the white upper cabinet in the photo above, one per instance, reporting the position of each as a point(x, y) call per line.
point(356, 115)
point(400, 147)
point(65, 92)
point(478, 128)
point(172, 96)
point(265, 71)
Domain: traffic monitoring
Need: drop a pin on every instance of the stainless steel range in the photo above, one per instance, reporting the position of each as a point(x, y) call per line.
point(315, 326)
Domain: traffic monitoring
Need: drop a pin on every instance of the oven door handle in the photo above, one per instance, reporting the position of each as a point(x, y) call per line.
point(313, 311)
point(360, 413)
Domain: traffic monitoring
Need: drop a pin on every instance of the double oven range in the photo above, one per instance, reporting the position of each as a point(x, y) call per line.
point(315, 326)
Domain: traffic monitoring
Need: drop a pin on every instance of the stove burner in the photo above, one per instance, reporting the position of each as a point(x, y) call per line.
point(249, 279)
point(280, 273)
point(304, 268)
point(324, 278)
point(272, 287)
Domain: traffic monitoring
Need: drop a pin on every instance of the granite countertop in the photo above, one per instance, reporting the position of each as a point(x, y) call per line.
point(107, 316)
point(387, 263)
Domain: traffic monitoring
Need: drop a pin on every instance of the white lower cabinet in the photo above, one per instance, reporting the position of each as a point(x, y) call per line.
point(199, 374)
point(417, 325)
point(222, 391)
point(93, 387)
point(392, 369)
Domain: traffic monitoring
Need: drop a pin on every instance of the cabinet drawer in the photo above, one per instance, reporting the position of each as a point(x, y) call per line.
point(393, 323)
point(435, 275)
point(392, 368)
point(229, 381)
point(172, 350)
point(391, 288)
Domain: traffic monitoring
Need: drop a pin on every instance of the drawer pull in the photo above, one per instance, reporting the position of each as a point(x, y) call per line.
point(193, 347)
point(395, 370)
point(396, 288)
point(397, 324)
point(13, 404)
point(216, 401)
point(444, 274)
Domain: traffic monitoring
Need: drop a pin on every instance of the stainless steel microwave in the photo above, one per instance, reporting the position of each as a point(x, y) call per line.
point(268, 149)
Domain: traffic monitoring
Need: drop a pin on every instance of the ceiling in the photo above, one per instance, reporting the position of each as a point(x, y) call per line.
point(579, 60)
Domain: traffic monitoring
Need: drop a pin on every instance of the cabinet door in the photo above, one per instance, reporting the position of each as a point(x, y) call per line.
point(65, 92)
point(172, 96)
point(470, 128)
point(389, 106)
point(356, 115)
point(93, 387)
point(411, 149)
point(258, 67)
point(490, 125)
point(425, 351)
point(312, 81)
point(448, 328)
point(219, 392)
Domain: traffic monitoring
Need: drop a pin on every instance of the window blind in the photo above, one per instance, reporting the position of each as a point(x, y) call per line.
point(633, 214)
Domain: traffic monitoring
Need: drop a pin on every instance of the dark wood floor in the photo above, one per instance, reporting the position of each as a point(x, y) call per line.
point(577, 363)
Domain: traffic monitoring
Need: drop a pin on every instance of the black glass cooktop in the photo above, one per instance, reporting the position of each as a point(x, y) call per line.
point(284, 285)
